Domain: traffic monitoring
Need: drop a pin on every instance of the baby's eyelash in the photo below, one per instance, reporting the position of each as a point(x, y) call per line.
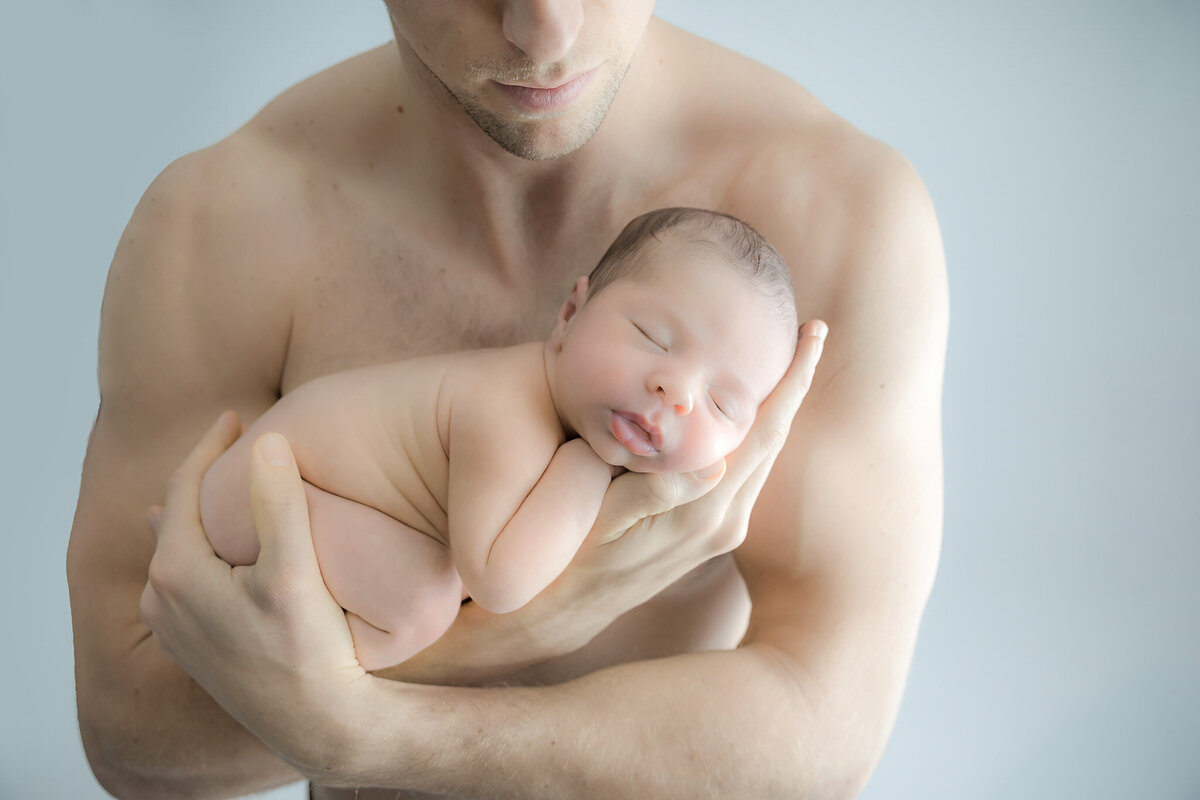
point(718, 405)
point(642, 331)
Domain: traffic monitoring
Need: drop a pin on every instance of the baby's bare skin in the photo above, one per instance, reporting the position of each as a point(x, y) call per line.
point(374, 444)
point(445, 477)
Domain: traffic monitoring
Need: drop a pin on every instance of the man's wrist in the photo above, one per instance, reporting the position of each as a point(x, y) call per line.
point(326, 745)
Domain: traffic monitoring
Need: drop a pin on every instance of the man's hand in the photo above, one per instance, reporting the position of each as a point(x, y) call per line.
point(264, 640)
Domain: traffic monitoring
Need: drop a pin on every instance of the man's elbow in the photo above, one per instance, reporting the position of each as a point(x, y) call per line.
point(123, 748)
point(111, 754)
point(835, 746)
point(842, 777)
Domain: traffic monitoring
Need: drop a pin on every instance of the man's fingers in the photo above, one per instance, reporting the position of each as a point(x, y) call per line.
point(636, 495)
point(775, 416)
point(181, 514)
point(795, 383)
point(279, 505)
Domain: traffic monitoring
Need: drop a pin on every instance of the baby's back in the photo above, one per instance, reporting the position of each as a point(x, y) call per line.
point(376, 435)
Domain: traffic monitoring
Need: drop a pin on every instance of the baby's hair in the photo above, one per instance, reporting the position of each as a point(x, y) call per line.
point(736, 241)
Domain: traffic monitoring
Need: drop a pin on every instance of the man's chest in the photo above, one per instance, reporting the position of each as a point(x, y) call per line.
point(386, 299)
point(385, 279)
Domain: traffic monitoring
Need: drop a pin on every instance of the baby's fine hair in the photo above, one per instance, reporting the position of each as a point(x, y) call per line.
point(736, 241)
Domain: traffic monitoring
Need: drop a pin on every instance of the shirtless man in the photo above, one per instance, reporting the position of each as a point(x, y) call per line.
point(440, 201)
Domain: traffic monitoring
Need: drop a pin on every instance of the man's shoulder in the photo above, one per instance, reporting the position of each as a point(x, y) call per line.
point(219, 236)
point(216, 197)
point(283, 154)
point(849, 212)
point(731, 94)
point(781, 141)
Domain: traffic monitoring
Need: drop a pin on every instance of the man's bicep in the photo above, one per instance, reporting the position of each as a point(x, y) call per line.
point(839, 561)
point(844, 540)
point(167, 368)
point(181, 339)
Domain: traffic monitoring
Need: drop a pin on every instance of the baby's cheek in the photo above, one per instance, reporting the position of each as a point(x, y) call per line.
point(730, 442)
point(706, 448)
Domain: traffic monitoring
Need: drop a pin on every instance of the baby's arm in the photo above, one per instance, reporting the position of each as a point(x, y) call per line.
point(516, 521)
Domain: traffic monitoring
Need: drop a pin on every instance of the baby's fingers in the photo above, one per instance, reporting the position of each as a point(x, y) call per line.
point(636, 495)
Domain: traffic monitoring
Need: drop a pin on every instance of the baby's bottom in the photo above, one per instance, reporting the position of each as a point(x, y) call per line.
point(398, 586)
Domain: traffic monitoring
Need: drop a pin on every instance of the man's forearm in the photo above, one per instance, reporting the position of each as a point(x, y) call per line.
point(722, 724)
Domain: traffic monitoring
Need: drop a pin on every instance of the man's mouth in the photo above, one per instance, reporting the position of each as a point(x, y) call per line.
point(636, 433)
point(546, 99)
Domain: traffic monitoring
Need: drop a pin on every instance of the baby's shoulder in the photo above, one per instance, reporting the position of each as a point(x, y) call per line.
point(497, 374)
point(502, 389)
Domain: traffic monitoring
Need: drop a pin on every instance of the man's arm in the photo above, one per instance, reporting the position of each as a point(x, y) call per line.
point(175, 324)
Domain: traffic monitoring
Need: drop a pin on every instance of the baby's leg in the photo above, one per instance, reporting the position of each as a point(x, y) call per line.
point(398, 586)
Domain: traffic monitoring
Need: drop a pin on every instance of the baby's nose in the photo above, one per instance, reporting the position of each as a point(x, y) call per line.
point(674, 392)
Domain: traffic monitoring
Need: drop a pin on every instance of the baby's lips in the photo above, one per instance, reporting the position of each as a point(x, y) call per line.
point(635, 434)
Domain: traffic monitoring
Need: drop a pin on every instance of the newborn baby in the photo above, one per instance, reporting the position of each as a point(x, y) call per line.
point(479, 474)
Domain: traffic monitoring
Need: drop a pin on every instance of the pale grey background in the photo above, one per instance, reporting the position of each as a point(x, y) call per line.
point(1060, 651)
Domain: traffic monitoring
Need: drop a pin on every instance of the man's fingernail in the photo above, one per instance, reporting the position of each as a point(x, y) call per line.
point(819, 330)
point(273, 450)
point(709, 471)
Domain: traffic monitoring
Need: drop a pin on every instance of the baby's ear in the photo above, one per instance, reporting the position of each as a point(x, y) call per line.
point(571, 306)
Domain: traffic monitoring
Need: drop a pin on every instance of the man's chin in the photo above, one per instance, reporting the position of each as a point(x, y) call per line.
point(548, 137)
point(537, 140)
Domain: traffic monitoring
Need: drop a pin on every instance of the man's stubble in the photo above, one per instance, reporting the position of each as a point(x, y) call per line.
point(519, 136)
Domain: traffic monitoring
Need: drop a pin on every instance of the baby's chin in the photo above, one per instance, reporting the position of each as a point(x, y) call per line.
point(665, 464)
point(615, 454)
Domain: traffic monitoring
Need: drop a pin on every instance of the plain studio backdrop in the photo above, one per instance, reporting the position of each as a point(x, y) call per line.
point(1061, 649)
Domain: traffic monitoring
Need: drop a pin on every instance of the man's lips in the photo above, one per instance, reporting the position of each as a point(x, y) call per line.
point(636, 433)
point(541, 100)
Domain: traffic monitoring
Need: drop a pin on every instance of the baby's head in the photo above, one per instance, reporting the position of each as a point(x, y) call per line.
point(661, 357)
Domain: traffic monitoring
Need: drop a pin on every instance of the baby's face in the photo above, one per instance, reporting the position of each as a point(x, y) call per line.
point(664, 370)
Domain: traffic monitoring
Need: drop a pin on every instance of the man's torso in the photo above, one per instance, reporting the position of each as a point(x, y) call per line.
point(375, 274)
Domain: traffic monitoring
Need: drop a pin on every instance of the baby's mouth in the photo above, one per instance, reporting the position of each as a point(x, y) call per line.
point(636, 433)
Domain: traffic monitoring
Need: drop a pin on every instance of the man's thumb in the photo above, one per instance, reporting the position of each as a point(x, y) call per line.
point(278, 502)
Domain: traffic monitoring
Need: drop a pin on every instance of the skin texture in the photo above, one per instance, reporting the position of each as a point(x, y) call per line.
point(373, 235)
